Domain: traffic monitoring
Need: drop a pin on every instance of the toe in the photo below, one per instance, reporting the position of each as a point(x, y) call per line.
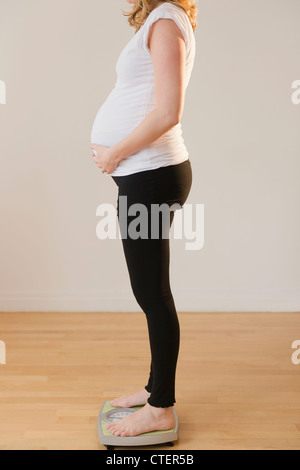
point(118, 432)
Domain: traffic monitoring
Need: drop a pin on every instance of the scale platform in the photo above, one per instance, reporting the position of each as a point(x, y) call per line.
point(109, 414)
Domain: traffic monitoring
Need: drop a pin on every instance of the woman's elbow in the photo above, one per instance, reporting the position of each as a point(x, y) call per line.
point(175, 119)
point(170, 118)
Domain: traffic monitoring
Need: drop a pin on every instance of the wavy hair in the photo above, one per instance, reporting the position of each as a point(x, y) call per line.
point(140, 11)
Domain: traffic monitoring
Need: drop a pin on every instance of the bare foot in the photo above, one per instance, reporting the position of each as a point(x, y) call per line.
point(147, 419)
point(137, 399)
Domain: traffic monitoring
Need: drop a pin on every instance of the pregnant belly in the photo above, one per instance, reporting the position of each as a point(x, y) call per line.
point(116, 118)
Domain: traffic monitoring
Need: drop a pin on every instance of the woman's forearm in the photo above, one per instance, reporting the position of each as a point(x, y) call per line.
point(151, 128)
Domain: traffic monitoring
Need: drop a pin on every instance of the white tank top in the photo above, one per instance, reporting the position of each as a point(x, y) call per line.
point(133, 97)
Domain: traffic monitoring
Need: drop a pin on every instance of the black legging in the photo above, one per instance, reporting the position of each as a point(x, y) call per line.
point(148, 262)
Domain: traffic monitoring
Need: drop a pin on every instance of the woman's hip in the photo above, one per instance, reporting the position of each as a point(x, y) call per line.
point(165, 185)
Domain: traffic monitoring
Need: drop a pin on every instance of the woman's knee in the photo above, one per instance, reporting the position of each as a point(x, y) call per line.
point(151, 295)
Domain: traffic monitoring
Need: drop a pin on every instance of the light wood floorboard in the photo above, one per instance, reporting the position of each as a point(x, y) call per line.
point(236, 385)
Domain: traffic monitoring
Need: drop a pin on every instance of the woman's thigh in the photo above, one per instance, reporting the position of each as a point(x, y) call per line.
point(148, 258)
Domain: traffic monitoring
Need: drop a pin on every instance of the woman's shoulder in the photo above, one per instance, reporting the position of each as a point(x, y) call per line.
point(167, 7)
point(174, 12)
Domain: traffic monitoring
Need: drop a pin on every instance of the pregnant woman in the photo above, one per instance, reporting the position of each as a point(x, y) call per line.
point(137, 140)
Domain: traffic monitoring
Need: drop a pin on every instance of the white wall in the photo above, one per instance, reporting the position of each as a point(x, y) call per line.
point(57, 59)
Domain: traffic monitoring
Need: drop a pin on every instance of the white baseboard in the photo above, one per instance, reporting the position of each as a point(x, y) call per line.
point(122, 300)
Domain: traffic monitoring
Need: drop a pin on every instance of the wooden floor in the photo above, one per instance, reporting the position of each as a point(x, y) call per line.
point(236, 385)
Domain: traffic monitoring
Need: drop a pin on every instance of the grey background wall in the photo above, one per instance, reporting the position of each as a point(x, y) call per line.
point(57, 59)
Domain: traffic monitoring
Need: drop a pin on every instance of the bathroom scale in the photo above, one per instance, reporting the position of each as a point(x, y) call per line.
point(109, 414)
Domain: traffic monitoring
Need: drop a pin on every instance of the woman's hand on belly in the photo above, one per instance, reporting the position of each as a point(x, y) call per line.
point(104, 159)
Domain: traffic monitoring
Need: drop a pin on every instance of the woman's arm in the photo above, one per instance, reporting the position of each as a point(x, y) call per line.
point(167, 48)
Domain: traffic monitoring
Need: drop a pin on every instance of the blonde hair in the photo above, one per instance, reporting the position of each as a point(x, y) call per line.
point(140, 11)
